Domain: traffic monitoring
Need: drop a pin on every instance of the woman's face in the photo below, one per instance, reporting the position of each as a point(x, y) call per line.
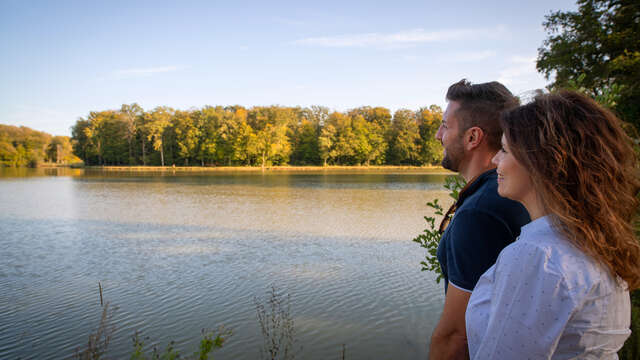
point(514, 181)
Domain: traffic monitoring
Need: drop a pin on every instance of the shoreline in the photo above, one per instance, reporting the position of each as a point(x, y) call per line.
point(259, 168)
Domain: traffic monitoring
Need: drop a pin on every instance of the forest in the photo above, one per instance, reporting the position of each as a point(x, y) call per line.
point(22, 146)
point(258, 136)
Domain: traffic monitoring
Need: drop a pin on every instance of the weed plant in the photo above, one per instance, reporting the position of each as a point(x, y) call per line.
point(276, 325)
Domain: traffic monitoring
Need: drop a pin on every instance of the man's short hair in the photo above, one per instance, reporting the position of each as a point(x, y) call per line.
point(481, 106)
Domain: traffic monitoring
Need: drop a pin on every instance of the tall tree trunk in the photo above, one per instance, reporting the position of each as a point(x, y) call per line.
point(144, 160)
point(131, 151)
point(264, 160)
point(162, 153)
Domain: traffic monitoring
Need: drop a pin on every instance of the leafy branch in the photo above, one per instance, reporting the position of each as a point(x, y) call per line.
point(430, 237)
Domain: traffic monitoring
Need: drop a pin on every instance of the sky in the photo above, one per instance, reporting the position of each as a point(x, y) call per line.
point(60, 59)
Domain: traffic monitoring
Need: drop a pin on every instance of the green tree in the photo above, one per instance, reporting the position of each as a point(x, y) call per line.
point(92, 132)
point(158, 121)
point(596, 49)
point(326, 143)
point(81, 142)
point(113, 134)
point(344, 151)
point(370, 145)
point(429, 120)
point(271, 125)
point(233, 134)
point(207, 122)
point(8, 152)
point(404, 143)
point(272, 143)
point(60, 150)
point(245, 145)
point(187, 135)
point(22, 146)
point(305, 143)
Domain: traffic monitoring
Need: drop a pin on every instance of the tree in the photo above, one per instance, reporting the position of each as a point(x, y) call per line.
point(130, 115)
point(404, 145)
point(245, 145)
point(429, 120)
point(81, 142)
point(207, 122)
point(305, 143)
point(271, 125)
point(158, 120)
point(272, 143)
point(369, 145)
point(187, 135)
point(596, 50)
point(22, 146)
point(60, 150)
point(326, 143)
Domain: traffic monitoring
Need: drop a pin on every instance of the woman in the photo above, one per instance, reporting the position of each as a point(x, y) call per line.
point(561, 291)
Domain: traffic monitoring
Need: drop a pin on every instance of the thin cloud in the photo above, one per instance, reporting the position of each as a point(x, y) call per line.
point(520, 70)
point(469, 56)
point(288, 21)
point(146, 71)
point(521, 76)
point(403, 38)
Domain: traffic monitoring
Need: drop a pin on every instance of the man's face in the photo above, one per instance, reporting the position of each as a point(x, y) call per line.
point(449, 136)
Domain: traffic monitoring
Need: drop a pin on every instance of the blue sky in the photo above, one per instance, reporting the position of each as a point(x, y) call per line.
point(61, 59)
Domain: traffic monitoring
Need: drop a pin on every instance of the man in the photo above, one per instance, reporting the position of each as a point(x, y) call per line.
point(483, 223)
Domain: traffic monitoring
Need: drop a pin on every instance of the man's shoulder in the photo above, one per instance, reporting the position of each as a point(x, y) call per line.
point(486, 200)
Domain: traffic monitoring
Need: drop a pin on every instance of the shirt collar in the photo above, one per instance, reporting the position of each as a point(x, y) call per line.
point(473, 185)
point(541, 225)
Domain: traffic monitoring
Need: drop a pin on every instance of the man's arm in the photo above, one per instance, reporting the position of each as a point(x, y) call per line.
point(449, 339)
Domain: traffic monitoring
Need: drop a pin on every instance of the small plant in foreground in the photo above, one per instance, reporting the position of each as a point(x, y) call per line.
point(211, 340)
point(276, 325)
point(99, 340)
point(430, 238)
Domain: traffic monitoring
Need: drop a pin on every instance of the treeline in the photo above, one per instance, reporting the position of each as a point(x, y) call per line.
point(22, 146)
point(258, 136)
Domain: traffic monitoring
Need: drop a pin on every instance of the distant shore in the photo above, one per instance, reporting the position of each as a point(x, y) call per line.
point(258, 168)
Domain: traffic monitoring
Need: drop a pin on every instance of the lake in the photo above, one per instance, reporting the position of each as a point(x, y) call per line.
point(180, 252)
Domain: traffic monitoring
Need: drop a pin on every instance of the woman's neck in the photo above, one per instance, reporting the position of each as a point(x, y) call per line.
point(534, 207)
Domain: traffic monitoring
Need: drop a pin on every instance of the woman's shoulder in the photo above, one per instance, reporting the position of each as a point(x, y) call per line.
point(556, 256)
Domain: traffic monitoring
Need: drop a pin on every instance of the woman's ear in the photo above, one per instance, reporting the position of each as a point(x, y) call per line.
point(473, 137)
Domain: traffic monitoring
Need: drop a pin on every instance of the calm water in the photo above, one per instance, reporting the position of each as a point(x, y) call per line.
point(177, 253)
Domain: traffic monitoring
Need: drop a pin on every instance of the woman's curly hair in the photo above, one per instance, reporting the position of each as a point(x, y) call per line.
point(583, 168)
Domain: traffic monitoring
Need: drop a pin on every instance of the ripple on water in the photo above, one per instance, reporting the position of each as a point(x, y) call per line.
point(175, 257)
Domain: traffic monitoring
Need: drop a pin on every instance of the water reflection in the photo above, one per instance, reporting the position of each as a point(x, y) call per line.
point(181, 253)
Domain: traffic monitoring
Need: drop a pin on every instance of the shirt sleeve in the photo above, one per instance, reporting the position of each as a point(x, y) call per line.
point(476, 240)
point(530, 307)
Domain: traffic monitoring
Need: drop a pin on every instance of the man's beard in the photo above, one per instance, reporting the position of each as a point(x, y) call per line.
point(453, 156)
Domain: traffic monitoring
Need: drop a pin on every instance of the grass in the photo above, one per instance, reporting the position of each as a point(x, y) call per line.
point(274, 318)
point(99, 340)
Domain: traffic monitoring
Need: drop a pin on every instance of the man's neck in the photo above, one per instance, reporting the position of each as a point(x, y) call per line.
point(476, 166)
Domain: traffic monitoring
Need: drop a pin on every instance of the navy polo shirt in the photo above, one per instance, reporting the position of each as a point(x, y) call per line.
point(483, 224)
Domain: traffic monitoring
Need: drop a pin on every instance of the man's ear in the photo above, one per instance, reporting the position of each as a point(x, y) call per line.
point(473, 137)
